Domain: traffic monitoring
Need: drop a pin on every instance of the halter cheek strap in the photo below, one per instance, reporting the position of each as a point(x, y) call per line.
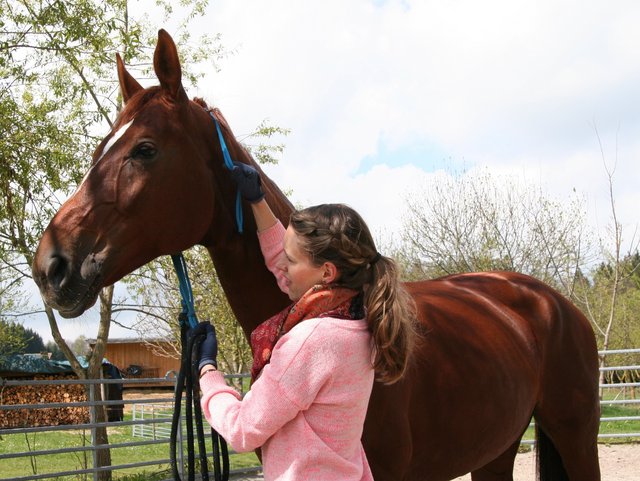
point(228, 162)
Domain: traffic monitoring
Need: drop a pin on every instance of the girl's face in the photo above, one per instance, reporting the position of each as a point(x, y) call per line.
point(300, 273)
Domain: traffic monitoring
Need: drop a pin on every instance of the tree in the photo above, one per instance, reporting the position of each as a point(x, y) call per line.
point(80, 346)
point(56, 352)
point(57, 94)
point(34, 342)
point(11, 341)
point(611, 299)
point(478, 222)
point(17, 339)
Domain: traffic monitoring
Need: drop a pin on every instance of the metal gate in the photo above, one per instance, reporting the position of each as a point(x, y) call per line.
point(158, 424)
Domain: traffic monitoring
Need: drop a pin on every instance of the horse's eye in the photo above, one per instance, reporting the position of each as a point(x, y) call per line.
point(144, 152)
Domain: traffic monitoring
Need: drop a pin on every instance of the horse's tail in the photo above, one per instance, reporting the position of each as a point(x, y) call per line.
point(550, 467)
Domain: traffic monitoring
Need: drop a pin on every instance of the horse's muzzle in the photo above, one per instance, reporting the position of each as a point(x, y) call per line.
point(69, 289)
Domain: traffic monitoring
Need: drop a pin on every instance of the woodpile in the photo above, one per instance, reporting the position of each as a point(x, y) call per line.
point(40, 394)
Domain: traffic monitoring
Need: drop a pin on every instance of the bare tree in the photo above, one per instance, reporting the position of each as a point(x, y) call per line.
point(478, 222)
point(602, 297)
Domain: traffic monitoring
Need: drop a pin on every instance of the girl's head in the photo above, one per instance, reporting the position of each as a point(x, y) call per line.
point(336, 242)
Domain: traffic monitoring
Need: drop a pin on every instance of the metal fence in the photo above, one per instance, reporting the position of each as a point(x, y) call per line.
point(141, 426)
point(625, 393)
point(151, 419)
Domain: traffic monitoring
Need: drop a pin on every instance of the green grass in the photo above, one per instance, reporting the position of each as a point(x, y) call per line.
point(620, 427)
point(15, 467)
point(611, 427)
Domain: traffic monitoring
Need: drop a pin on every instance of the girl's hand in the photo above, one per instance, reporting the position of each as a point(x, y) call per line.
point(248, 180)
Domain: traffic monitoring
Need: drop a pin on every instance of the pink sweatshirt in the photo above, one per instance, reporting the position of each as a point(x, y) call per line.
point(307, 408)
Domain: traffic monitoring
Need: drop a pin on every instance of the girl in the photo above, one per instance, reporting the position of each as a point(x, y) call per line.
point(315, 362)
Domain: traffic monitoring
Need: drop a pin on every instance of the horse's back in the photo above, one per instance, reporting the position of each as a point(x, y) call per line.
point(501, 307)
point(481, 364)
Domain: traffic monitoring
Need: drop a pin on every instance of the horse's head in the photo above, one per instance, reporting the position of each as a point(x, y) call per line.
point(149, 191)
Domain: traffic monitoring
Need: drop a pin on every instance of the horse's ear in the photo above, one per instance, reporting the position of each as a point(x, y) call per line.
point(128, 85)
point(167, 66)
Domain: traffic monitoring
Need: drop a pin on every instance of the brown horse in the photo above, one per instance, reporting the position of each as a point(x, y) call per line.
point(498, 347)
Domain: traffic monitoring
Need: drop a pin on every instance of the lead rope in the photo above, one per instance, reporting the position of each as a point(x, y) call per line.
point(228, 162)
point(192, 334)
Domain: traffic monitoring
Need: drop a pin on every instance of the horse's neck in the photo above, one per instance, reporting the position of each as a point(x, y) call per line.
point(250, 288)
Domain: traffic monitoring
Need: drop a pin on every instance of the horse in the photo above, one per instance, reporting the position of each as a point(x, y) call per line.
point(496, 348)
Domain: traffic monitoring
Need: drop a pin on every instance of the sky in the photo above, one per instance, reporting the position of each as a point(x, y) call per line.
point(383, 96)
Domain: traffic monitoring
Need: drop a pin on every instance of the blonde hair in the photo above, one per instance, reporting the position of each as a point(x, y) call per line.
point(336, 233)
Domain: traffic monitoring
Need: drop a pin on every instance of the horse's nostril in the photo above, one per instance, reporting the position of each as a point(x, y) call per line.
point(57, 270)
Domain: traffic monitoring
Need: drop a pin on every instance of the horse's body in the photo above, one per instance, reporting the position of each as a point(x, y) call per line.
point(496, 349)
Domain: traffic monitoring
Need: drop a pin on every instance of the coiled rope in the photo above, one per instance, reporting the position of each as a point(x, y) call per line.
point(192, 335)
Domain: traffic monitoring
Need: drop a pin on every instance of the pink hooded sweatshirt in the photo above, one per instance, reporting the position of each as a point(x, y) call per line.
point(306, 410)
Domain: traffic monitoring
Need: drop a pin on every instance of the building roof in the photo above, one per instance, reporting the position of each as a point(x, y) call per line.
point(35, 364)
point(29, 364)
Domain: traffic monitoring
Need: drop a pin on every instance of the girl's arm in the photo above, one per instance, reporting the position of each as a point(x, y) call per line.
point(271, 236)
point(263, 214)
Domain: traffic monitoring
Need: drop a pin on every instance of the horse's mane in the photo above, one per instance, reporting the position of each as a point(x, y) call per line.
point(216, 113)
point(241, 153)
point(239, 149)
point(201, 103)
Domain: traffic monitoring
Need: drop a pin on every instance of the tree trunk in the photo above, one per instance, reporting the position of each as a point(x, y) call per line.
point(93, 371)
point(100, 436)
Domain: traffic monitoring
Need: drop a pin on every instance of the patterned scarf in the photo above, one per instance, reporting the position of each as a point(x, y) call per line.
point(319, 301)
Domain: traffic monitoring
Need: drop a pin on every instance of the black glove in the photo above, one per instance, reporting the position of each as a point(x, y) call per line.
point(209, 347)
point(248, 180)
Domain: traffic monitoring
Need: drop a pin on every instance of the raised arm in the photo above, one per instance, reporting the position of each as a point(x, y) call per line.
point(270, 230)
point(263, 214)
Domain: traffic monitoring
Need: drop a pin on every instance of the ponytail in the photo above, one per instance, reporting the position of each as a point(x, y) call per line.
point(391, 318)
point(336, 233)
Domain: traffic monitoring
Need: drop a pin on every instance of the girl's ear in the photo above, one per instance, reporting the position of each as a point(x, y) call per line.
point(329, 272)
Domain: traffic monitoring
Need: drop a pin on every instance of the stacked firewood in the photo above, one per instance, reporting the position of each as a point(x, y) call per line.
point(41, 394)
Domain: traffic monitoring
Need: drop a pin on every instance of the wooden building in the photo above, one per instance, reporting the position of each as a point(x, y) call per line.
point(136, 358)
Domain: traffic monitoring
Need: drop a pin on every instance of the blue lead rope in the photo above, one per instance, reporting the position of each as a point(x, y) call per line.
point(228, 162)
point(188, 309)
point(192, 336)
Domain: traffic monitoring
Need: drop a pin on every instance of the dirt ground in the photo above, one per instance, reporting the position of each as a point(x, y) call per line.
point(618, 462)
